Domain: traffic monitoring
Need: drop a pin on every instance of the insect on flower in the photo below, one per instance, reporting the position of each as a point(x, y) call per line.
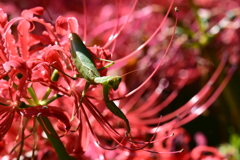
point(38, 91)
point(85, 65)
point(83, 60)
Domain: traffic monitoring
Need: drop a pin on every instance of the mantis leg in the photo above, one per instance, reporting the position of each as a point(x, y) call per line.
point(73, 78)
point(84, 91)
point(113, 108)
point(108, 65)
point(116, 111)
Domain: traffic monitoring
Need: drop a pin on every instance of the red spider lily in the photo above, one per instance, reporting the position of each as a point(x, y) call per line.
point(180, 75)
point(20, 66)
point(30, 54)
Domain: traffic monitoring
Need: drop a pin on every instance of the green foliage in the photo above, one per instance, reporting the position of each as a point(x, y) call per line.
point(231, 150)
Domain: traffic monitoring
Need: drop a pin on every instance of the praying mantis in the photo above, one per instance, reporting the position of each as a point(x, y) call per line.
point(87, 70)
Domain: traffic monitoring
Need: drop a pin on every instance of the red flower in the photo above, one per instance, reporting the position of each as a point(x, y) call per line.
point(36, 66)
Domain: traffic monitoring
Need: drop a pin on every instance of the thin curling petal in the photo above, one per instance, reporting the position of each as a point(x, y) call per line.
point(31, 12)
point(6, 119)
point(66, 25)
point(47, 111)
point(61, 25)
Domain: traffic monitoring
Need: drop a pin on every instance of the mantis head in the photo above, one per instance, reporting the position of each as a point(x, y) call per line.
point(114, 82)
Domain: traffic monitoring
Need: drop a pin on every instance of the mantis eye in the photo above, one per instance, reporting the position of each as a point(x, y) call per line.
point(114, 82)
point(110, 83)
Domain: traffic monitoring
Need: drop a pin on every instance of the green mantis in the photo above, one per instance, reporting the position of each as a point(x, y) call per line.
point(87, 70)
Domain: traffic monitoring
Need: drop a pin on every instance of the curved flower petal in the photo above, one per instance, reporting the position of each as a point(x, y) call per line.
point(66, 25)
point(30, 12)
point(3, 19)
point(6, 119)
point(47, 111)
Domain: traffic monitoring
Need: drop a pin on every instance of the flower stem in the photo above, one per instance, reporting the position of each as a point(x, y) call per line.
point(33, 95)
point(54, 77)
point(53, 138)
point(49, 100)
point(46, 94)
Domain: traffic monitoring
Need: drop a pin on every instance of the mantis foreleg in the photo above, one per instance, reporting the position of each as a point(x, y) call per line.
point(108, 65)
point(113, 108)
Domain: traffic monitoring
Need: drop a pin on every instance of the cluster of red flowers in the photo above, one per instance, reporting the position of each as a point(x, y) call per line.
point(40, 102)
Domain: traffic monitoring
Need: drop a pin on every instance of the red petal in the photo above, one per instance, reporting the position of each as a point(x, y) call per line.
point(30, 12)
point(3, 18)
point(73, 25)
point(61, 25)
point(47, 111)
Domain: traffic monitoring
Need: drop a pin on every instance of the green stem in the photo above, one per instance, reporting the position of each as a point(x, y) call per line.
point(49, 100)
point(33, 95)
point(54, 77)
point(53, 138)
point(46, 94)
